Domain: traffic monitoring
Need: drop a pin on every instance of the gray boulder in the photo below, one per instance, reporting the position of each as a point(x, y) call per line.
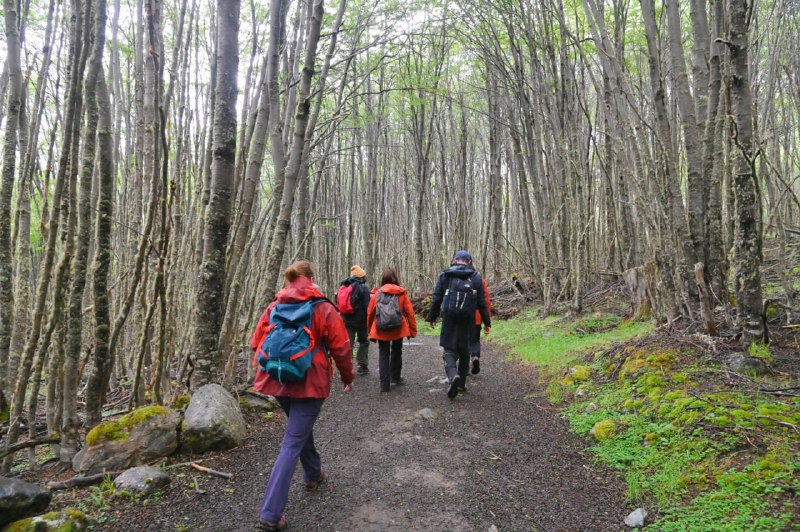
point(65, 521)
point(741, 363)
point(142, 436)
point(19, 499)
point(142, 480)
point(213, 420)
point(636, 518)
point(258, 401)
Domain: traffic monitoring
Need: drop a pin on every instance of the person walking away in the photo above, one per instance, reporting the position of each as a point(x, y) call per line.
point(475, 341)
point(299, 320)
point(390, 318)
point(352, 299)
point(458, 294)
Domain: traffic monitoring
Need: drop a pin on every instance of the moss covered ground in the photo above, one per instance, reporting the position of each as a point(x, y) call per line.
point(699, 448)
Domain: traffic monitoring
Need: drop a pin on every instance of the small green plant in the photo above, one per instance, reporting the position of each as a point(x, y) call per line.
point(760, 350)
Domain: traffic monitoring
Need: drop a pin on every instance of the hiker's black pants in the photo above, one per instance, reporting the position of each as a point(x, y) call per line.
point(475, 341)
point(359, 331)
point(456, 363)
point(390, 361)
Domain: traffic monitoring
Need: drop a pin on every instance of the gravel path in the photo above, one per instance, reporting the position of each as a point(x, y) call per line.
point(497, 455)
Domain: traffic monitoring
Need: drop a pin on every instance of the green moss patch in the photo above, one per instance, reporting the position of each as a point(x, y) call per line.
point(119, 429)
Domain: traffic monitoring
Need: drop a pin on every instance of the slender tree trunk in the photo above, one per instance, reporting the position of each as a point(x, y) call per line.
point(298, 146)
point(747, 218)
point(11, 16)
point(209, 307)
point(101, 369)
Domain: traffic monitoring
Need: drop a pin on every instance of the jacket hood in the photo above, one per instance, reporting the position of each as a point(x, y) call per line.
point(463, 271)
point(301, 289)
point(353, 280)
point(393, 289)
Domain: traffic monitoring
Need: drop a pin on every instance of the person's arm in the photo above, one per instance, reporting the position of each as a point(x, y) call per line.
point(408, 310)
point(261, 328)
point(338, 342)
point(365, 296)
point(371, 313)
point(436, 300)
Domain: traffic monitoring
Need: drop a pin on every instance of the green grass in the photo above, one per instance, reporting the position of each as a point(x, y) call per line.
point(696, 454)
point(552, 342)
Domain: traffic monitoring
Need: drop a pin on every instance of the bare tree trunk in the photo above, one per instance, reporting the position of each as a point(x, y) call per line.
point(298, 147)
point(209, 303)
point(715, 258)
point(747, 235)
point(101, 369)
point(692, 141)
point(11, 16)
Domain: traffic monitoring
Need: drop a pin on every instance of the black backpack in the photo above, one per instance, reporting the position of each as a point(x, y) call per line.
point(460, 299)
point(387, 311)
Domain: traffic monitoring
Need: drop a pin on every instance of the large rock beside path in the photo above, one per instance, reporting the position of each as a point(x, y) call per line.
point(142, 436)
point(20, 499)
point(213, 420)
point(65, 521)
point(142, 480)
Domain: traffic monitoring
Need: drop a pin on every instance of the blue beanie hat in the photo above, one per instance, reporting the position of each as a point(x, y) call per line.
point(462, 254)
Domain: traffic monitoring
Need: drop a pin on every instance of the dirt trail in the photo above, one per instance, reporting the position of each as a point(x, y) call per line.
point(496, 455)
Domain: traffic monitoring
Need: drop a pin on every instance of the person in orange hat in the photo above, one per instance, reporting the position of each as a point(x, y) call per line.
point(352, 299)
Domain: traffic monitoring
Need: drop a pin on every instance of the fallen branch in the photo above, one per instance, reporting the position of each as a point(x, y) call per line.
point(210, 471)
point(5, 451)
point(76, 482)
point(183, 464)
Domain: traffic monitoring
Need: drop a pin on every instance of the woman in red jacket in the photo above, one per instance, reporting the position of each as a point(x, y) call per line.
point(390, 300)
point(301, 400)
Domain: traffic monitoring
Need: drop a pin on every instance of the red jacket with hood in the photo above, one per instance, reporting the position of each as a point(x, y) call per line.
point(328, 329)
point(409, 326)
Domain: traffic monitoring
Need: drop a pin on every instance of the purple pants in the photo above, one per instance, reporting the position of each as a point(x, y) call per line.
point(298, 442)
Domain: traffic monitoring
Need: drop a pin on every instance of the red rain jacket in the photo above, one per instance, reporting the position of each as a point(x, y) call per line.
point(328, 329)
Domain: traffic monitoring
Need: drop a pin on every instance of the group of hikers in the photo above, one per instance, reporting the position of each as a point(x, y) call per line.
point(302, 332)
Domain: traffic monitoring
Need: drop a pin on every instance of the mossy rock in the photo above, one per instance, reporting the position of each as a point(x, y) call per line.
point(650, 439)
point(139, 437)
point(119, 429)
point(65, 521)
point(580, 373)
point(604, 430)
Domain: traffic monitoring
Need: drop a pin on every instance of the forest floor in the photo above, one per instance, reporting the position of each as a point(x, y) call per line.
point(498, 455)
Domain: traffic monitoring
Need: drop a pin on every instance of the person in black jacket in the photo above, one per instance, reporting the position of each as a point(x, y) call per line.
point(356, 321)
point(458, 294)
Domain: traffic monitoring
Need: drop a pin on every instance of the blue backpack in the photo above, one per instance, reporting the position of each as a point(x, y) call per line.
point(289, 345)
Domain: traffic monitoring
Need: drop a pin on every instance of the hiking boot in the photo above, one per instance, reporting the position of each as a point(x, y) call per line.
point(454, 385)
point(476, 365)
point(385, 389)
point(314, 484)
point(363, 370)
point(280, 524)
point(399, 381)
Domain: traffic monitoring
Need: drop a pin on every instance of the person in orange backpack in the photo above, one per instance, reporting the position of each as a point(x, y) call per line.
point(475, 341)
point(390, 318)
